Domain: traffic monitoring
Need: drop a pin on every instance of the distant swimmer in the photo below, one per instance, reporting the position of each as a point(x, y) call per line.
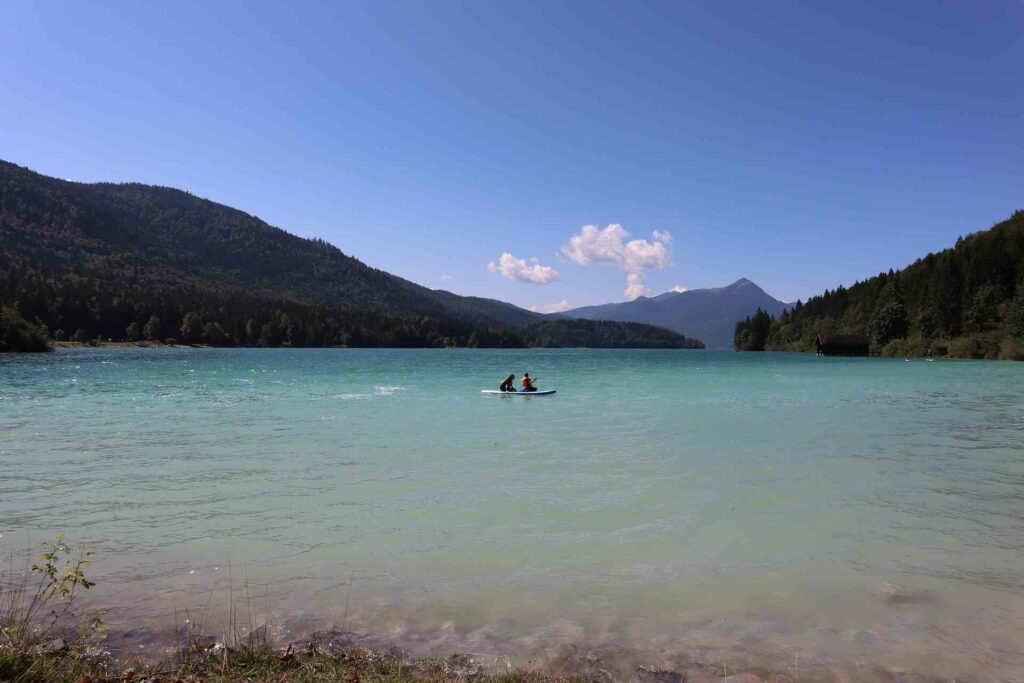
point(528, 383)
point(509, 384)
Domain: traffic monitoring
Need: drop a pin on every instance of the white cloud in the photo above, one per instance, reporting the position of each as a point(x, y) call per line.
point(635, 286)
point(680, 289)
point(446, 278)
point(518, 269)
point(611, 246)
point(557, 307)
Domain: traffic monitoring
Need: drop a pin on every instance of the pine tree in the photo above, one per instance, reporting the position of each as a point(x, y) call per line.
point(1015, 315)
point(191, 328)
point(153, 330)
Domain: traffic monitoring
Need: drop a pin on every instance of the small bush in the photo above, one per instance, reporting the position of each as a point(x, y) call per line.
point(13, 665)
point(975, 346)
point(940, 347)
point(1011, 349)
point(913, 347)
point(18, 334)
point(38, 607)
point(895, 348)
point(964, 347)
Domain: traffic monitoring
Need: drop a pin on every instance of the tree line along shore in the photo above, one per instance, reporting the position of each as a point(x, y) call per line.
point(17, 334)
point(131, 262)
point(963, 302)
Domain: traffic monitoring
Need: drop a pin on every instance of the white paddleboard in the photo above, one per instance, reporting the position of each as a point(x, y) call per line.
point(542, 392)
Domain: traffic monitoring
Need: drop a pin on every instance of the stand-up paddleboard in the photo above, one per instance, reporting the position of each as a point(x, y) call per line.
point(540, 392)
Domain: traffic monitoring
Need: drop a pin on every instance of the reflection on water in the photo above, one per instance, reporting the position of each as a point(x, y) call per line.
point(761, 505)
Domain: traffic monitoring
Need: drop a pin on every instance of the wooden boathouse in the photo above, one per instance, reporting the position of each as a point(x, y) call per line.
point(842, 345)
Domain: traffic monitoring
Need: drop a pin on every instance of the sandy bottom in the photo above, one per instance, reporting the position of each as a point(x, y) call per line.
point(699, 650)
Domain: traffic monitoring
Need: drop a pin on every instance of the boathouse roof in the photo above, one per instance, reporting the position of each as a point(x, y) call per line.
point(843, 339)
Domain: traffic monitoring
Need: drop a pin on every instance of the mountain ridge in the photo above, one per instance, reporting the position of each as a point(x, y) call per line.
point(709, 314)
point(103, 259)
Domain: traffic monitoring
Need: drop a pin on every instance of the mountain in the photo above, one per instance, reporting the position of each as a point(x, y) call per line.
point(131, 261)
point(966, 301)
point(707, 314)
point(561, 333)
point(175, 236)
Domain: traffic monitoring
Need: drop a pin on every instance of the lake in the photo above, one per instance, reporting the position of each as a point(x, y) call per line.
point(778, 507)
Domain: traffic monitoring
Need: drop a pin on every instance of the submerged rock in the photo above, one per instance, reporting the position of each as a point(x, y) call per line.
point(462, 666)
point(334, 642)
point(49, 647)
point(743, 678)
point(896, 594)
point(652, 675)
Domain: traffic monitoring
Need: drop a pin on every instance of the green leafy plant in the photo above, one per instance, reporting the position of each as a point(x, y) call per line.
point(35, 609)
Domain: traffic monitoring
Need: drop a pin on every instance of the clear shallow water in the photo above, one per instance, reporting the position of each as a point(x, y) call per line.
point(837, 510)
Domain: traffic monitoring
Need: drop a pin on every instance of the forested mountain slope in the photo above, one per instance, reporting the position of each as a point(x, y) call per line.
point(606, 334)
point(967, 300)
point(168, 236)
point(131, 261)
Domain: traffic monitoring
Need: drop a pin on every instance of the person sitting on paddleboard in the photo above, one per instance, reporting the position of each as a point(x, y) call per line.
point(508, 384)
point(528, 383)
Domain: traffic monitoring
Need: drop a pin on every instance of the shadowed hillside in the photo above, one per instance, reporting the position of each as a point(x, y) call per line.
point(967, 301)
point(137, 262)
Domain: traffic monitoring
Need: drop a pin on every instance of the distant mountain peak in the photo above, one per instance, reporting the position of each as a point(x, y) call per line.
point(709, 314)
point(732, 286)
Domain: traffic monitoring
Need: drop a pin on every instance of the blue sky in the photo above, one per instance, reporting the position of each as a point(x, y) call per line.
point(802, 145)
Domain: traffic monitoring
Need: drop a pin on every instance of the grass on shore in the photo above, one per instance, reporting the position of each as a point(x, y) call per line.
point(261, 664)
point(44, 638)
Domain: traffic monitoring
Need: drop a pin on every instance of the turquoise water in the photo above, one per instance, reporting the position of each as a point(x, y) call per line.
point(779, 505)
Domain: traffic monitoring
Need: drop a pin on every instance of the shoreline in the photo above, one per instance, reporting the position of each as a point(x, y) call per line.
point(194, 654)
point(161, 345)
point(230, 641)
